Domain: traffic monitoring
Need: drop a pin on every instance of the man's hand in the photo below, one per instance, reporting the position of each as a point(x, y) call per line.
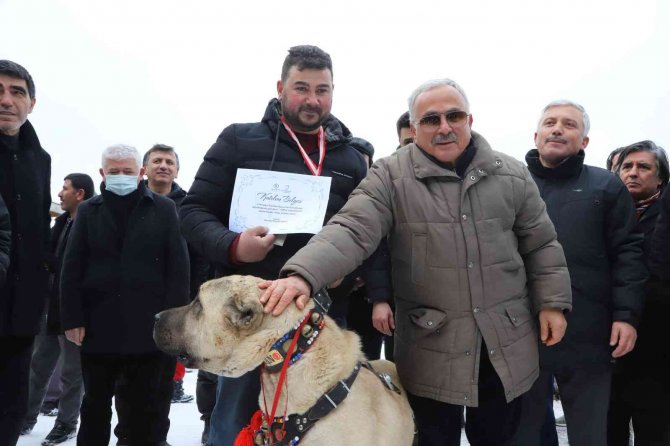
point(382, 318)
point(76, 335)
point(552, 326)
point(280, 293)
point(254, 244)
point(625, 335)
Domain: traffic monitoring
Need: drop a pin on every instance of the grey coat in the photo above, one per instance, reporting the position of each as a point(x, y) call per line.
point(472, 260)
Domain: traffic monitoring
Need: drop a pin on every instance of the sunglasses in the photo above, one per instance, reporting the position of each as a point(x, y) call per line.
point(454, 118)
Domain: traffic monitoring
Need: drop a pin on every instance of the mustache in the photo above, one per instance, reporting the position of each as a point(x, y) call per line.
point(310, 109)
point(442, 138)
point(556, 139)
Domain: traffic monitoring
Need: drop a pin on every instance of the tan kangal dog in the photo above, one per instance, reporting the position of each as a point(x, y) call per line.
point(225, 331)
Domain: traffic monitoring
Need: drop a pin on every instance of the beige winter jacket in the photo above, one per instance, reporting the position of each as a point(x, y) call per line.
point(471, 259)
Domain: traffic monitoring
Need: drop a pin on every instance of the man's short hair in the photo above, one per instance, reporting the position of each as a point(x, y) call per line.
point(160, 148)
point(12, 69)
point(402, 122)
point(659, 152)
point(567, 103)
point(306, 57)
point(610, 158)
point(82, 181)
point(430, 85)
point(121, 152)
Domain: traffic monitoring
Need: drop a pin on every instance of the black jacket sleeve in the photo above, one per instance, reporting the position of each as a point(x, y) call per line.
point(72, 272)
point(207, 204)
point(659, 258)
point(5, 241)
point(377, 274)
point(629, 273)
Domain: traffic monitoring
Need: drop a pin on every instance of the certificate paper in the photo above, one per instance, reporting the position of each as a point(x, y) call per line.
point(287, 203)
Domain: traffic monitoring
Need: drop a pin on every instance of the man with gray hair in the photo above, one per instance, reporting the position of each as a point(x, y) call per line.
point(475, 261)
point(125, 262)
point(595, 219)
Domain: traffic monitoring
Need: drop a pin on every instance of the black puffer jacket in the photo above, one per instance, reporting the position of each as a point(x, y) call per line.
point(595, 220)
point(265, 145)
point(25, 175)
point(55, 266)
point(5, 241)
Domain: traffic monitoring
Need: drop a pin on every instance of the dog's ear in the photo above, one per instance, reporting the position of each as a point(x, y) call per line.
point(243, 317)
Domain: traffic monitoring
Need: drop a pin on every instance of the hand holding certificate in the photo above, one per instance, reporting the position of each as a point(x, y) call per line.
point(286, 203)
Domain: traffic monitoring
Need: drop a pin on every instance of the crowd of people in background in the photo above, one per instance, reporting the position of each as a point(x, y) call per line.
point(487, 280)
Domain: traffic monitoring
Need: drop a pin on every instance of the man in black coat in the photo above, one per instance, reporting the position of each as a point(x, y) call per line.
point(297, 135)
point(641, 380)
point(25, 173)
point(5, 241)
point(125, 262)
point(50, 344)
point(595, 220)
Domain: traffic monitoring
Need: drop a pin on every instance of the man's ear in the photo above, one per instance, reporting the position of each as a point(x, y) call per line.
point(585, 142)
point(81, 193)
point(102, 174)
point(280, 88)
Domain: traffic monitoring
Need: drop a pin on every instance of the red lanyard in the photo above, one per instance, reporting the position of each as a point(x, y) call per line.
point(315, 169)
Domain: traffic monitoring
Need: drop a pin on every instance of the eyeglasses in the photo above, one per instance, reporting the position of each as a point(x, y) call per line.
point(454, 118)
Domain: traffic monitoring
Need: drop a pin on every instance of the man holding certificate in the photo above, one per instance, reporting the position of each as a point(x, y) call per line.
point(234, 222)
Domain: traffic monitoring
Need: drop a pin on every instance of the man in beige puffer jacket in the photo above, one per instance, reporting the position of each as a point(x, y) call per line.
point(474, 257)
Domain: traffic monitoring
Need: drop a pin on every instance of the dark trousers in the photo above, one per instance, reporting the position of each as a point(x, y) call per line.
point(46, 354)
point(493, 423)
point(122, 399)
point(585, 394)
point(205, 393)
point(15, 352)
point(236, 402)
point(641, 396)
point(149, 378)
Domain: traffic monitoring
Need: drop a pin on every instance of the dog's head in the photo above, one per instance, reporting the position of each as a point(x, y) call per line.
point(224, 330)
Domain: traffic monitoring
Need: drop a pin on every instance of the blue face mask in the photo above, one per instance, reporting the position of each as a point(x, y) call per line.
point(121, 184)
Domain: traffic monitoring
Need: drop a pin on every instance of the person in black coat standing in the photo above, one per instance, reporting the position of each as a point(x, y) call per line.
point(25, 173)
point(595, 221)
point(296, 135)
point(641, 380)
point(124, 263)
point(5, 241)
point(51, 345)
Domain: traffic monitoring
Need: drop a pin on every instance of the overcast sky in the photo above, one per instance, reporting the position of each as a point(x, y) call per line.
point(141, 72)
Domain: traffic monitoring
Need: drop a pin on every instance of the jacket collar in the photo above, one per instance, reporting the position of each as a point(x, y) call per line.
point(28, 139)
point(336, 131)
point(175, 191)
point(571, 166)
point(484, 161)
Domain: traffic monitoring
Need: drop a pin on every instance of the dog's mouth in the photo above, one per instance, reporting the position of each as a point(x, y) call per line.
point(186, 359)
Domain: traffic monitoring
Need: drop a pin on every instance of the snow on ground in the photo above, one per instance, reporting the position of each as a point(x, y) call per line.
point(186, 427)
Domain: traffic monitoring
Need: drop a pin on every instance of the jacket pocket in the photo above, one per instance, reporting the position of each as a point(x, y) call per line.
point(517, 321)
point(425, 328)
point(419, 251)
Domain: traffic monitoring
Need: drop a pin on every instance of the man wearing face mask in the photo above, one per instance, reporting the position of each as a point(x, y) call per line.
point(125, 262)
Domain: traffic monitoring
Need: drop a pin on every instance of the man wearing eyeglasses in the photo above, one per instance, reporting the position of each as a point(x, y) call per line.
point(475, 258)
point(595, 219)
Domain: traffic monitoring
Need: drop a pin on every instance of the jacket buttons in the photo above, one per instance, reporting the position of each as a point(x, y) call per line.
point(492, 351)
point(467, 353)
point(429, 323)
point(481, 171)
point(465, 216)
point(498, 163)
point(476, 309)
point(466, 397)
point(473, 178)
point(470, 264)
point(18, 197)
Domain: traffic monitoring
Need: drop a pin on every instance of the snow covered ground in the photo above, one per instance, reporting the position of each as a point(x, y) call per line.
point(185, 424)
